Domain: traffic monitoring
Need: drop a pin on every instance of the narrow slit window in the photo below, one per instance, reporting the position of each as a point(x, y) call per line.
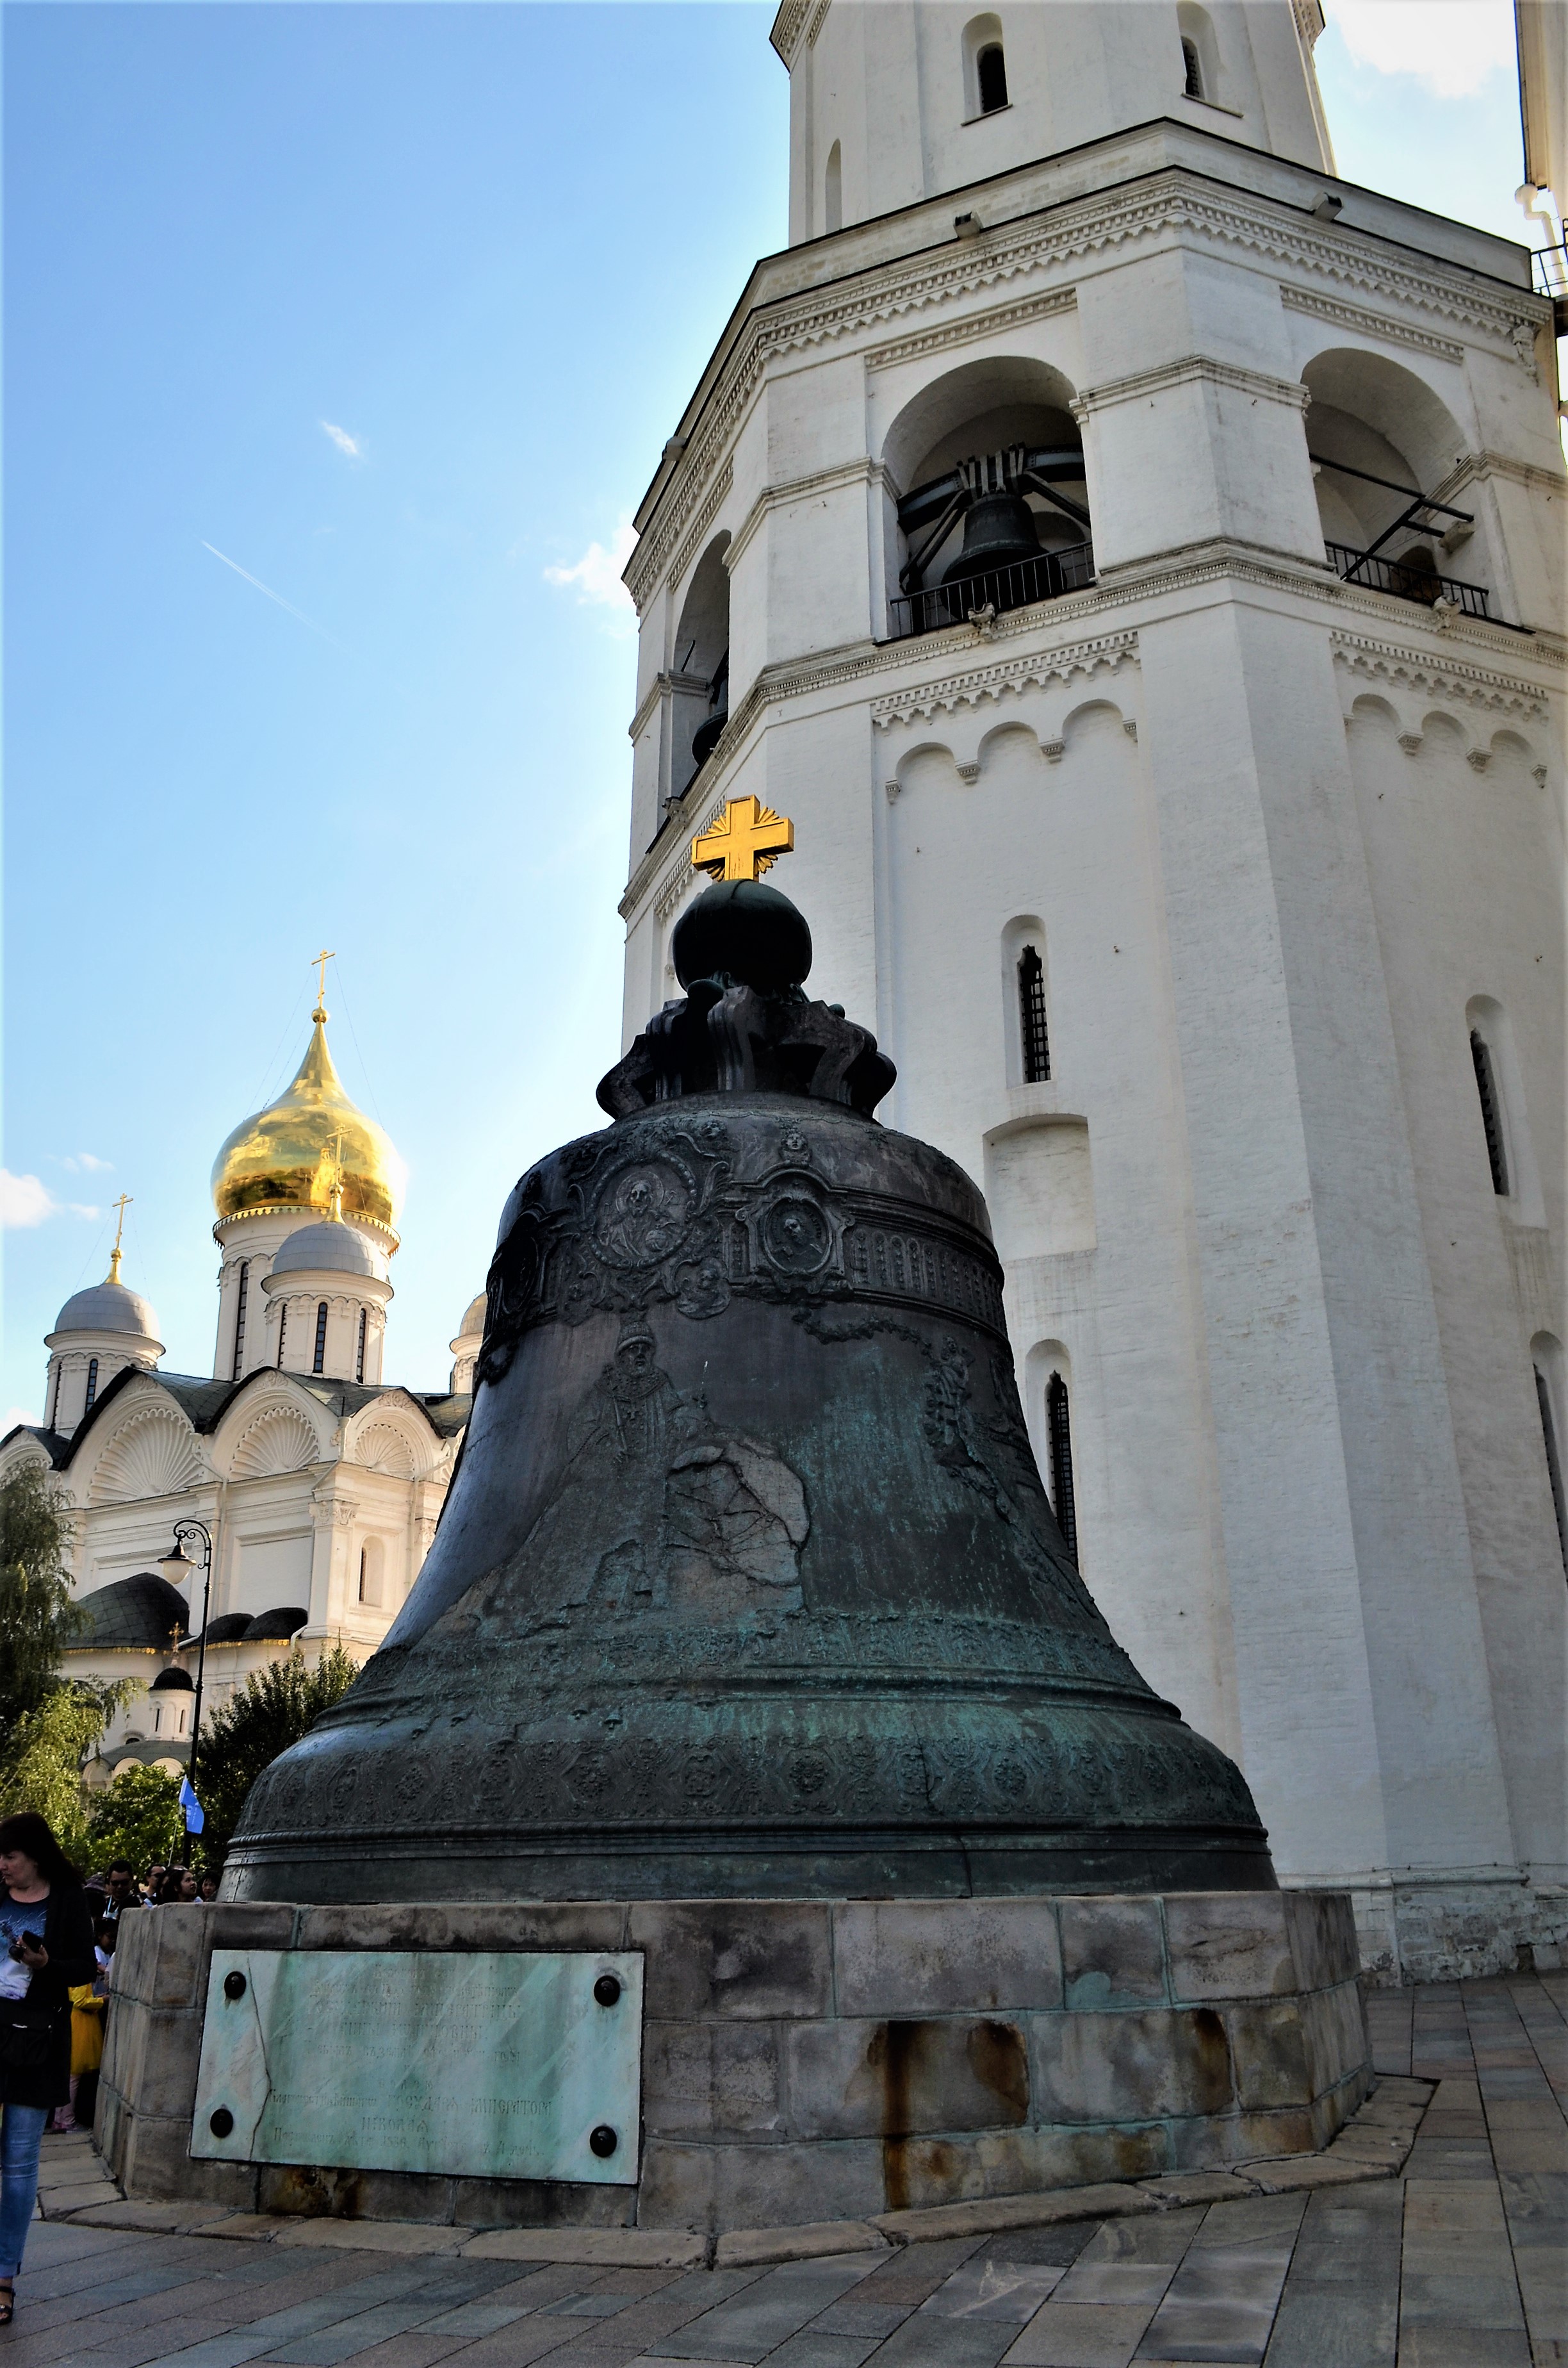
point(92, 1383)
point(319, 1360)
point(991, 72)
point(54, 1410)
point(1192, 68)
point(1553, 1462)
point(242, 1302)
point(1491, 1110)
point(359, 1352)
point(1031, 1016)
point(1059, 1432)
point(282, 1328)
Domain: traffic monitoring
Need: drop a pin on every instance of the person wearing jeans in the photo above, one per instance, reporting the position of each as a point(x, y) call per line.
point(46, 1950)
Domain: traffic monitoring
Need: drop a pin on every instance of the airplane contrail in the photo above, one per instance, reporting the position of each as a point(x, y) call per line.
point(270, 593)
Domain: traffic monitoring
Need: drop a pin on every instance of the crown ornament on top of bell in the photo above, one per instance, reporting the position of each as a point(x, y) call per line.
point(747, 1584)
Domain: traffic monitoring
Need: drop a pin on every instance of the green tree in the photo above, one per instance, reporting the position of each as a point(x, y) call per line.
point(139, 1817)
point(269, 1712)
point(38, 1618)
point(41, 1766)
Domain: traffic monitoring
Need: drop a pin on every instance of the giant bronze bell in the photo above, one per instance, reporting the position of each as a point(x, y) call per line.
point(747, 1583)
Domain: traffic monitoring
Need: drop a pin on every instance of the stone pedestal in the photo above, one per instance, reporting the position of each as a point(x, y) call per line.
point(803, 2060)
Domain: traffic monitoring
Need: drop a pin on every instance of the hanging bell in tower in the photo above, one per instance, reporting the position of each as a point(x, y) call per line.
point(747, 1584)
point(999, 529)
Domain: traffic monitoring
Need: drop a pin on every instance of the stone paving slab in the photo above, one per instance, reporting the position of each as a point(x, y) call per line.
point(1433, 2237)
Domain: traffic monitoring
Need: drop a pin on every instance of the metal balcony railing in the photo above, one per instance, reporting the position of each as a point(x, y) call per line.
point(1027, 580)
point(1406, 583)
point(1551, 266)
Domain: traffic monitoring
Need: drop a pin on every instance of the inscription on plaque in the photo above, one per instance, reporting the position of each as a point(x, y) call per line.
point(516, 2064)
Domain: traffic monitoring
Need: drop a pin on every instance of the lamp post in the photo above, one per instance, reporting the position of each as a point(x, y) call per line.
point(177, 1567)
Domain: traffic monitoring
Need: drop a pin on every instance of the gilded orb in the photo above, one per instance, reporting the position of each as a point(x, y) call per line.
point(311, 1140)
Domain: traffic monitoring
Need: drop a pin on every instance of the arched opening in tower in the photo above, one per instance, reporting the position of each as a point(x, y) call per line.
point(996, 514)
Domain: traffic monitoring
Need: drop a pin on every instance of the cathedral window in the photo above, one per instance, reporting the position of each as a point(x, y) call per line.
point(282, 1328)
point(1553, 1461)
point(833, 189)
point(1192, 67)
point(985, 68)
point(242, 1300)
point(991, 72)
point(359, 1352)
point(59, 1380)
point(92, 1383)
point(319, 1360)
point(1491, 1110)
point(1059, 1437)
point(1031, 1016)
point(371, 1562)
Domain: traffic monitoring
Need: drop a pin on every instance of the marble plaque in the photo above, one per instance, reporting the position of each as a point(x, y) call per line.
point(489, 2064)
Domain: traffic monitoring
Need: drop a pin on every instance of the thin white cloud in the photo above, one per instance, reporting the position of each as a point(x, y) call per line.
point(86, 1162)
point(597, 575)
point(349, 446)
point(1450, 46)
point(271, 595)
point(26, 1200)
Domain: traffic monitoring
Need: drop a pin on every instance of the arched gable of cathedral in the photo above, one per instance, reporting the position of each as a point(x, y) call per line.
point(394, 1435)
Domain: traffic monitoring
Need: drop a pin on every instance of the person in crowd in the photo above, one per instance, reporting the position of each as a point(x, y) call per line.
point(152, 1883)
point(189, 1887)
point(120, 1891)
point(46, 1951)
point(209, 1889)
point(168, 1892)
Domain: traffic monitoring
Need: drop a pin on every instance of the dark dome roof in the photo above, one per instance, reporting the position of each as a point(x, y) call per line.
point(173, 1681)
point(275, 1626)
point(228, 1628)
point(135, 1612)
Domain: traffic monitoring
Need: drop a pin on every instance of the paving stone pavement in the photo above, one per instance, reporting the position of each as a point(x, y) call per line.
point(1461, 2262)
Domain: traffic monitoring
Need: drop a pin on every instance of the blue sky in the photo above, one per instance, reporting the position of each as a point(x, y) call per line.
point(393, 307)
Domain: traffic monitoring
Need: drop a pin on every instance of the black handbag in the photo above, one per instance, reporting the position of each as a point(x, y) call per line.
point(24, 2035)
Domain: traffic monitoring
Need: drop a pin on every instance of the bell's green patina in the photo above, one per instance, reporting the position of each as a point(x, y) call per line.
point(747, 1584)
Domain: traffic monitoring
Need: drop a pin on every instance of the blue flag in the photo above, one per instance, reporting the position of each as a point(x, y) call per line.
point(195, 1815)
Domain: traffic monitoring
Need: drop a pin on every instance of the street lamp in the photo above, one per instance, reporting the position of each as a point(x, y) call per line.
point(177, 1567)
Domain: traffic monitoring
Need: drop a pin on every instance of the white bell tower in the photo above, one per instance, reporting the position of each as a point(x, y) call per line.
point(1134, 561)
point(893, 101)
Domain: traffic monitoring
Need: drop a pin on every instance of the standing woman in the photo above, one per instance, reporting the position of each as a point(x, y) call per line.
point(41, 1895)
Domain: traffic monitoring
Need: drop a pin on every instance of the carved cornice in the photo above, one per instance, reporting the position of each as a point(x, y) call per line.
point(1356, 317)
point(1443, 677)
point(794, 19)
point(644, 565)
point(1470, 466)
point(968, 688)
point(1059, 236)
point(990, 324)
point(1165, 375)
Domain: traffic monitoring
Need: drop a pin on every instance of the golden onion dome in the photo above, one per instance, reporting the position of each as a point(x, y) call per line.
point(307, 1146)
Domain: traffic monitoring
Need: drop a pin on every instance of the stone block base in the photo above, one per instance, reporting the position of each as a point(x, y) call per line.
point(833, 2059)
point(1447, 1928)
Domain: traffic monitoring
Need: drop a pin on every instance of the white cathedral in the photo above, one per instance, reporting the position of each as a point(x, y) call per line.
point(318, 1482)
point(1133, 558)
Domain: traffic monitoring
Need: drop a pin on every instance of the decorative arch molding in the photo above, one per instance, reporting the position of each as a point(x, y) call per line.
point(280, 1438)
point(151, 1451)
point(1417, 725)
point(385, 1447)
point(1413, 671)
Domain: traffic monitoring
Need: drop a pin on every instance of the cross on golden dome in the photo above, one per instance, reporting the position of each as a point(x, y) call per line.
point(743, 841)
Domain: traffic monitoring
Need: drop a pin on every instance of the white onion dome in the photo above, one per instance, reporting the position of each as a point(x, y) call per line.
point(108, 1306)
point(473, 1326)
point(331, 1247)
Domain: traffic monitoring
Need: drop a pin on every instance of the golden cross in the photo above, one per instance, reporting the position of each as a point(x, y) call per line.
point(743, 841)
point(321, 961)
point(121, 1204)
